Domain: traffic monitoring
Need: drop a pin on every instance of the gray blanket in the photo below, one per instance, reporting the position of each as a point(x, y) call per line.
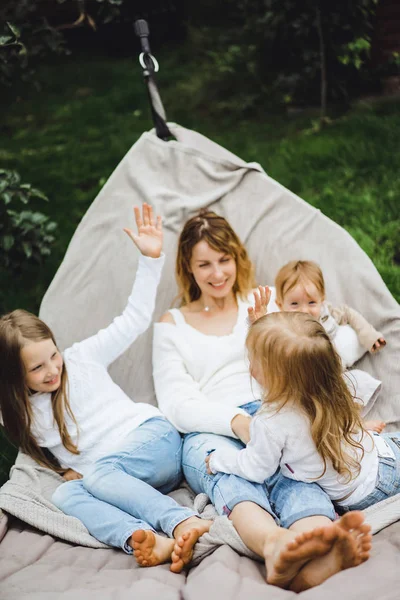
point(177, 178)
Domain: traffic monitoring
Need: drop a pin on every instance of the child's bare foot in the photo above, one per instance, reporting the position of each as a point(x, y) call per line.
point(201, 525)
point(186, 535)
point(182, 553)
point(286, 555)
point(150, 549)
point(351, 548)
point(377, 426)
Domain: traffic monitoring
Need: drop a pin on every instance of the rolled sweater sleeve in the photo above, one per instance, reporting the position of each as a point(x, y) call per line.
point(258, 461)
point(179, 396)
point(109, 343)
point(366, 333)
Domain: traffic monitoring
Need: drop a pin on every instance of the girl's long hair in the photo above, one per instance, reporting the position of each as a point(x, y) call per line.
point(300, 366)
point(16, 328)
point(219, 235)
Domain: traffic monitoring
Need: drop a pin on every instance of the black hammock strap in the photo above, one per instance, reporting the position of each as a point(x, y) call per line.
point(150, 66)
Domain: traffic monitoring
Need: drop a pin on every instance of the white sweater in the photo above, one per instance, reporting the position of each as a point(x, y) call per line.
point(104, 413)
point(200, 379)
point(283, 439)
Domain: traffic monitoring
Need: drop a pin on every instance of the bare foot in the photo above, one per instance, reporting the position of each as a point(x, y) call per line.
point(183, 550)
point(150, 549)
point(377, 426)
point(286, 555)
point(186, 535)
point(351, 548)
point(201, 525)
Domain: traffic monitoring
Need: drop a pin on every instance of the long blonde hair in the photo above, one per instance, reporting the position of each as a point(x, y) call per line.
point(15, 329)
point(219, 235)
point(300, 366)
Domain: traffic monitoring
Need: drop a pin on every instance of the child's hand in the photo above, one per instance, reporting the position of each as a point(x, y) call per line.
point(377, 426)
point(150, 236)
point(70, 475)
point(262, 297)
point(207, 461)
point(379, 344)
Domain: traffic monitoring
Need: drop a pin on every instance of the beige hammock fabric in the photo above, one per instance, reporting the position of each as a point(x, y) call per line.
point(93, 283)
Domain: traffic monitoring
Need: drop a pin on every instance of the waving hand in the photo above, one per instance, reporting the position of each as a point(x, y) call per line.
point(261, 299)
point(149, 235)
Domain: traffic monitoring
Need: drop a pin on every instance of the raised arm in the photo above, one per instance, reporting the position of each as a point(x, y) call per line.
point(109, 343)
point(178, 394)
point(368, 336)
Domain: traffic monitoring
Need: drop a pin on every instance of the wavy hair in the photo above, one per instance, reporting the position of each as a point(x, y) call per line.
point(15, 329)
point(301, 366)
point(219, 235)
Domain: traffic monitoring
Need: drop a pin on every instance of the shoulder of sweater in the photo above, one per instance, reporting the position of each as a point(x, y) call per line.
point(272, 419)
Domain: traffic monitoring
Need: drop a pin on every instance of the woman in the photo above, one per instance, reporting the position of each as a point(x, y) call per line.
point(204, 388)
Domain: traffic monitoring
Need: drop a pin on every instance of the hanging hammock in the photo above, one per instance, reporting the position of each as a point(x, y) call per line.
point(179, 177)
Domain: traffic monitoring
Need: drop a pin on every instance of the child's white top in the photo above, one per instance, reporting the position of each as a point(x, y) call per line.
point(104, 413)
point(283, 439)
point(200, 379)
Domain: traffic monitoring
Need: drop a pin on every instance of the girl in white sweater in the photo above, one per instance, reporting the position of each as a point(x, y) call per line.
point(203, 387)
point(309, 424)
point(119, 457)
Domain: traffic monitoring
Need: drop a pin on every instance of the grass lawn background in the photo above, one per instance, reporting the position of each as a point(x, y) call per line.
point(68, 137)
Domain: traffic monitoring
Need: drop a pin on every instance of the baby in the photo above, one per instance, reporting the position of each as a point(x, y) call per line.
point(300, 287)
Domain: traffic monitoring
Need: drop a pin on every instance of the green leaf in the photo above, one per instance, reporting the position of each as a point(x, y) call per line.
point(14, 29)
point(8, 242)
point(27, 247)
point(38, 194)
point(5, 39)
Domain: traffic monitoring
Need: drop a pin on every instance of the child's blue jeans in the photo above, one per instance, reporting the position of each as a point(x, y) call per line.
point(125, 491)
point(286, 500)
point(388, 480)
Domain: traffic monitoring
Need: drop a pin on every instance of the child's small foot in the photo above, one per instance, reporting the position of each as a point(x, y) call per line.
point(351, 548)
point(186, 535)
point(291, 552)
point(377, 426)
point(182, 553)
point(150, 549)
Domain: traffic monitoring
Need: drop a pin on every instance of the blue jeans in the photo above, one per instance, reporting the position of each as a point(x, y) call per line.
point(388, 479)
point(284, 499)
point(124, 492)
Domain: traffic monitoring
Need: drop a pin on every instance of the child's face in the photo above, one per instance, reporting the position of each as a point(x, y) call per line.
point(306, 299)
point(43, 365)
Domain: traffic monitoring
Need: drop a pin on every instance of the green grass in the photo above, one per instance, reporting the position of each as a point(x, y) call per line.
point(68, 137)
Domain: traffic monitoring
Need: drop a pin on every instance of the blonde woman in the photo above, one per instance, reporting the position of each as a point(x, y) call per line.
point(203, 387)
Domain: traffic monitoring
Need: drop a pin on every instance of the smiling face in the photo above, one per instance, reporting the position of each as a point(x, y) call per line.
point(43, 365)
point(303, 298)
point(215, 272)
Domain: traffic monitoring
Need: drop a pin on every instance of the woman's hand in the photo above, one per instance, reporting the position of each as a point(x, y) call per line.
point(379, 344)
point(262, 297)
point(149, 237)
point(70, 475)
point(240, 426)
